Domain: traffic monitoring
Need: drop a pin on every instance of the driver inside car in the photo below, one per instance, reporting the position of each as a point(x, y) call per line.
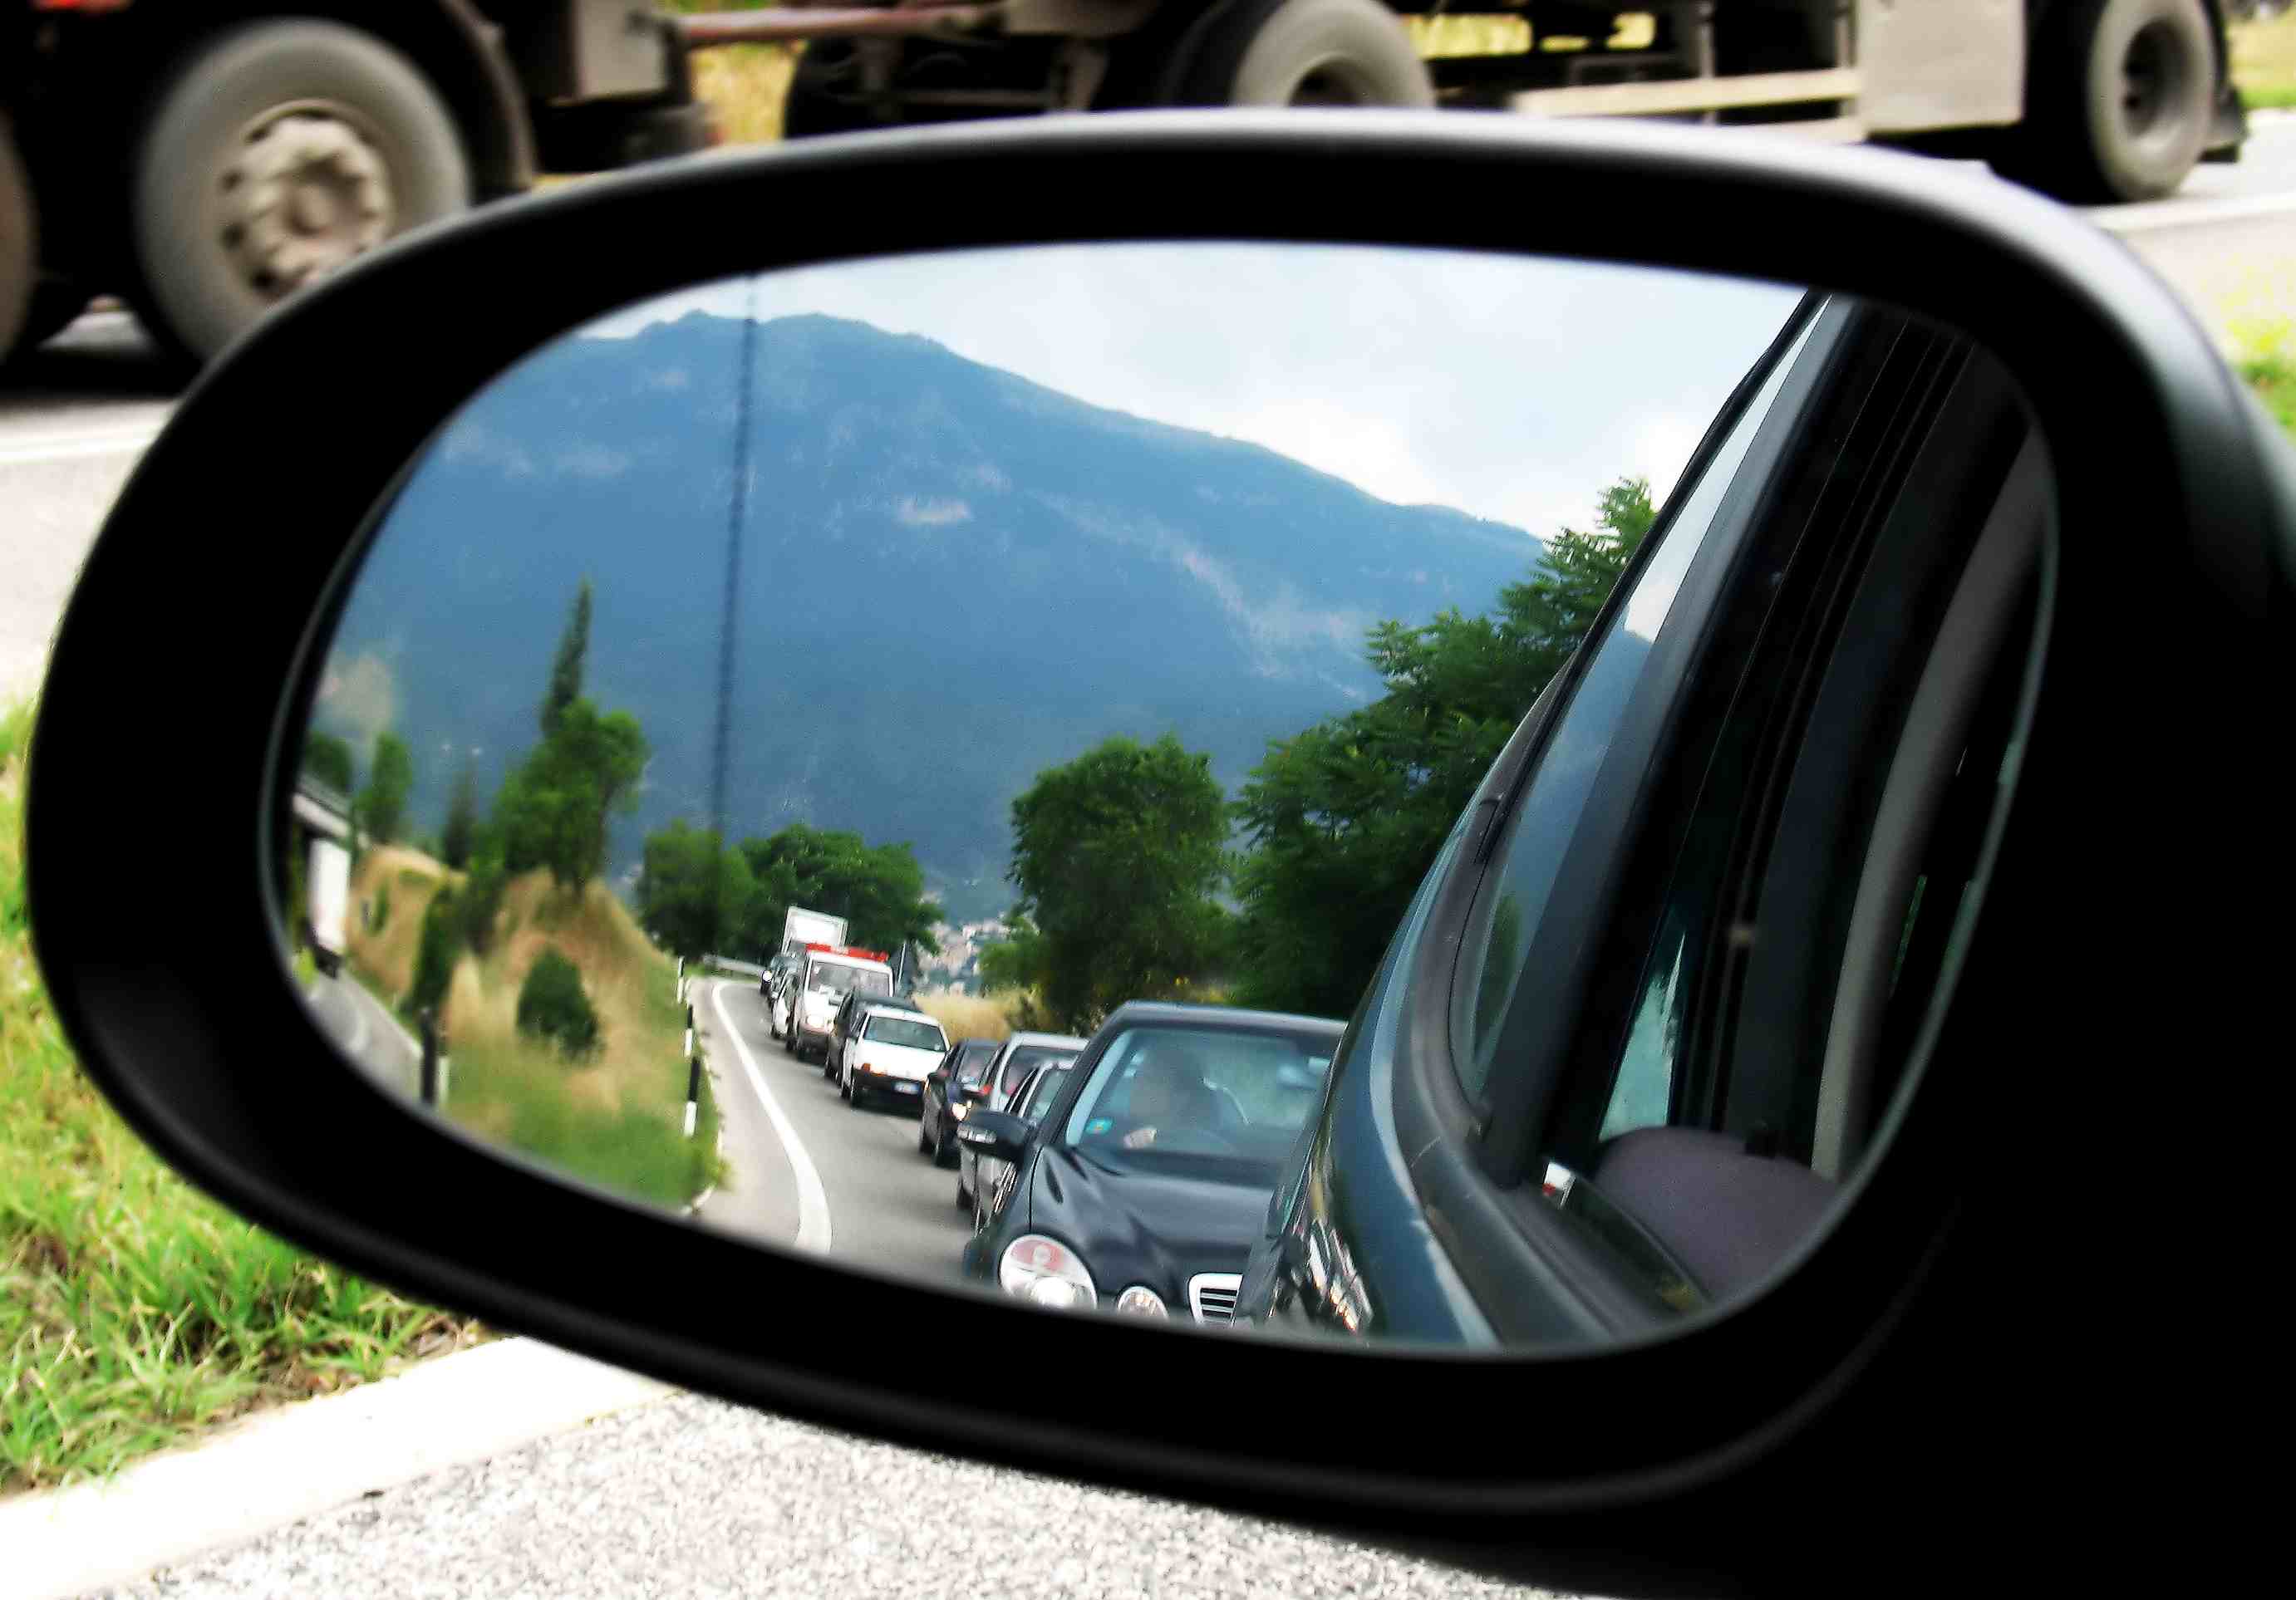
point(1168, 1095)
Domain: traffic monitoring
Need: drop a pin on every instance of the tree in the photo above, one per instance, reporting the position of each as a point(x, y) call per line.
point(382, 803)
point(329, 760)
point(693, 894)
point(880, 890)
point(1017, 960)
point(1117, 856)
point(479, 904)
point(435, 956)
point(553, 811)
point(458, 838)
point(1343, 820)
point(566, 671)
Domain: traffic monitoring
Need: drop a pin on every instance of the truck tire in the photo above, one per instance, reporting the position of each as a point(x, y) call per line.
point(2121, 96)
point(279, 152)
point(20, 251)
point(1305, 52)
point(825, 69)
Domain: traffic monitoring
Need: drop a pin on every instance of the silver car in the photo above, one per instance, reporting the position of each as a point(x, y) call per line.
point(1021, 1055)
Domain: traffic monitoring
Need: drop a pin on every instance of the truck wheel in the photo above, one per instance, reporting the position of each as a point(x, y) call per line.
point(825, 69)
point(282, 150)
point(2121, 97)
point(20, 255)
point(1305, 52)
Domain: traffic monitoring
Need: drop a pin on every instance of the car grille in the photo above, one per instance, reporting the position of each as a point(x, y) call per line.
point(1211, 1295)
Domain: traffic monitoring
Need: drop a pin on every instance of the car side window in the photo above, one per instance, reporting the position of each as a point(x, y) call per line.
point(1551, 805)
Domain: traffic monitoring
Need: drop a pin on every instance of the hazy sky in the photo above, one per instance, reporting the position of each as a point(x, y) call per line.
point(1510, 388)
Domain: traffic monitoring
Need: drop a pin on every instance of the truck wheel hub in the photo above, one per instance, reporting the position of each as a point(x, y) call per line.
point(303, 192)
point(2152, 75)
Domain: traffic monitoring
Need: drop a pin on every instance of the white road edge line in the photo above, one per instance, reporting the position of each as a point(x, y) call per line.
point(812, 1199)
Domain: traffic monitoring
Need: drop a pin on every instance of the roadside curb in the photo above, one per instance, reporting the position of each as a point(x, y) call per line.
point(282, 1466)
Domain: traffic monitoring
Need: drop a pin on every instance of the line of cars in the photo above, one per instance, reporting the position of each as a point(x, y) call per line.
point(1130, 1172)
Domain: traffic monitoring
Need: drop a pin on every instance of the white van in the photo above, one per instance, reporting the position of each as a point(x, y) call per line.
point(829, 974)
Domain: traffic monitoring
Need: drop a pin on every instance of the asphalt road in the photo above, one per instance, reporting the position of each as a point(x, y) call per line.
point(368, 1033)
point(693, 1497)
point(806, 1169)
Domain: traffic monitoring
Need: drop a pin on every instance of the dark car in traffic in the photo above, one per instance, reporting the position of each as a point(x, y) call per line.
point(1649, 1015)
point(1148, 1181)
point(1031, 1103)
point(1018, 1056)
point(949, 1091)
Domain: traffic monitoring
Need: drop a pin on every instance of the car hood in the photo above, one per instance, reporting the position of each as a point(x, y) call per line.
point(1148, 1218)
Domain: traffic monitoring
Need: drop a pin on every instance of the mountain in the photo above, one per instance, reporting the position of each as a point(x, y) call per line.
point(944, 578)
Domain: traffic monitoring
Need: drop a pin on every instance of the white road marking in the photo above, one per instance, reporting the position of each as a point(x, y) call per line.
point(812, 1199)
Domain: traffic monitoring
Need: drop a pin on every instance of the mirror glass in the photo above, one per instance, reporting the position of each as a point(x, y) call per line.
point(772, 727)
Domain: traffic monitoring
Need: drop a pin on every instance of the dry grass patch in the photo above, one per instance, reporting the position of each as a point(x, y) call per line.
point(973, 1016)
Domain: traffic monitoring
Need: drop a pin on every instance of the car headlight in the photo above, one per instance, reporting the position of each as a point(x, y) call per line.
point(1045, 1272)
point(957, 1108)
point(1141, 1301)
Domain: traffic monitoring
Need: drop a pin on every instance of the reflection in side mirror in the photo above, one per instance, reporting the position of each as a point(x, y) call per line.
point(995, 1134)
point(969, 634)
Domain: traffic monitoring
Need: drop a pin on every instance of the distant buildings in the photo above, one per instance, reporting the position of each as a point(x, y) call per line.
point(958, 965)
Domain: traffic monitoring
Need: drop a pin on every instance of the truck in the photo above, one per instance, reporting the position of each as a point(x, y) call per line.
point(801, 927)
point(2094, 101)
point(204, 160)
point(327, 904)
point(829, 973)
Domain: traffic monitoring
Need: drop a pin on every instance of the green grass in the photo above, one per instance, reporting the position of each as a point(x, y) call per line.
point(2264, 62)
point(134, 1311)
point(2268, 363)
point(516, 1090)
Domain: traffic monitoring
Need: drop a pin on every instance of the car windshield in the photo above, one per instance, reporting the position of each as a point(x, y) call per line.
point(914, 1032)
point(1026, 1059)
point(1042, 1090)
point(834, 978)
point(1233, 1093)
point(974, 1066)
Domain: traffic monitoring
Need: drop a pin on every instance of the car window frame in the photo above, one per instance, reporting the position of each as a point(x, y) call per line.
point(1533, 1280)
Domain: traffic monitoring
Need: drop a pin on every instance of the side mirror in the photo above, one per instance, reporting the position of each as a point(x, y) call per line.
point(998, 1133)
point(1197, 573)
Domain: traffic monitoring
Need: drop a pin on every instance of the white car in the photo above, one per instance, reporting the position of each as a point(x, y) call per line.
point(888, 1055)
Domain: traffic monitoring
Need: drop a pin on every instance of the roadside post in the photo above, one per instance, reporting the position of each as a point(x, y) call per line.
point(692, 1089)
point(428, 1020)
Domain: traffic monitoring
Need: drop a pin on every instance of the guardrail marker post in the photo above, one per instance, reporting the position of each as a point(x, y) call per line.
point(692, 1092)
point(429, 1078)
